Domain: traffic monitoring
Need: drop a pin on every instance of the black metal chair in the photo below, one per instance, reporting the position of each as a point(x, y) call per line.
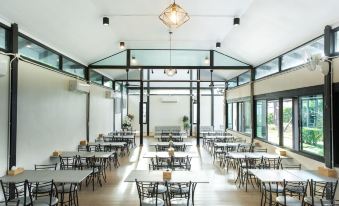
point(68, 163)
point(179, 194)
point(17, 194)
point(97, 166)
point(324, 191)
point(46, 167)
point(148, 194)
point(46, 193)
point(291, 199)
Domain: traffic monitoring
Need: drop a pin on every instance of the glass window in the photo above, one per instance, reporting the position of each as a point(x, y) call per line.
point(261, 119)
point(232, 83)
point(3, 38)
point(108, 82)
point(96, 77)
point(273, 121)
point(247, 115)
point(336, 48)
point(38, 53)
point(267, 69)
point(288, 123)
point(229, 116)
point(299, 56)
point(240, 116)
point(235, 117)
point(219, 112)
point(73, 68)
point(312, 124)
point(245, 78)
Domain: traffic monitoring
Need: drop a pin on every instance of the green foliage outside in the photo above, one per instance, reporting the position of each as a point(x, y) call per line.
point(312, 136)
point(186, 123)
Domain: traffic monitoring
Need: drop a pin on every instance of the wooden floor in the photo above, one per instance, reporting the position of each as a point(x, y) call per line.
point(220, 191)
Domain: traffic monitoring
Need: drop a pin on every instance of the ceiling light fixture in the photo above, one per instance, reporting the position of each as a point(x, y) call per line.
point(174, 16)
point(122, 45)
point(105, 21)
point(188, 71)
point(207, 60)
point(236, 21)
point(218, 45)
point(170, 71)
point(134, 60)
point(152, 71)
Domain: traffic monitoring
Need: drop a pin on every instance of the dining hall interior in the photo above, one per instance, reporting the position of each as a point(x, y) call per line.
point(169, 102)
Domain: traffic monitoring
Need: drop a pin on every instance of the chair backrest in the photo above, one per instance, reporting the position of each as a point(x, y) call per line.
point(82, 148)
point(46, 167)
point(272, 163)
point(20, 190)
point(323, 190)
point(287, 185)
point(180, 190)
point(146, 190)
point(291, 166)
point(68, 163)
point(45, 189)
point(160, 148)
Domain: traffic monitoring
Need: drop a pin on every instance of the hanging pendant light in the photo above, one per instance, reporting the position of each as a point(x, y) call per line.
point(174, 16)
point(170, 71)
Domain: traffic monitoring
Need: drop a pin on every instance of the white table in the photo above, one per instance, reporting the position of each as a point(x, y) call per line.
point(112, 144)
point(258, 155)
point(174, 143)
point(177, 177)
point(85, 154)
point(166, 155)
point(58, 176)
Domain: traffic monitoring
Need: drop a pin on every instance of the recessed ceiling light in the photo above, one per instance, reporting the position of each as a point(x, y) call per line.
point(236, 21)
point(133, 61)
point(207, 60)
point(122, 45)
point(105, 21)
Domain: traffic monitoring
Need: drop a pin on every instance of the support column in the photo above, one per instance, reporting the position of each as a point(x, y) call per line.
point(191, 104)
point(328, 92)
point(198, 107)
point(253, 109)
point(88, 102)
point(141, 110)
point(13, 96)
point(148, 101)
point(114, 107)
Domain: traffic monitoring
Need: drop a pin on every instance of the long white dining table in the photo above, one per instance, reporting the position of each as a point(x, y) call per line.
point(174, 143)
point(194, 177)
point(85, 154)
point(58, 176)
point(166, 155)
point(258, 155)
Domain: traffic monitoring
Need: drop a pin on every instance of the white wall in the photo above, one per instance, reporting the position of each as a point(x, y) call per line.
point(101, 112)
point(296, 78)
point(168, 114)
point(238, 92)
point(205, 111)
point(219, 112)
point(336, 70)
point(49, 116)
point(4, 61)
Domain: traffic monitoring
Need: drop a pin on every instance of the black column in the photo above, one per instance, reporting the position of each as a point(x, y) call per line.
point(148, 101)
point(141, 110)
point(212, 107)
point(198, 107)
point(281, 122)
point(13, 96)
point(114, 107)
point(191, 103)
point(122, 103)
point(253, 108)
point(328, 90)
point(88, 103)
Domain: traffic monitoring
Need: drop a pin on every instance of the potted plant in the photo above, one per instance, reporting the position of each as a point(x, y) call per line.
point(127, 122)
point(186, 123)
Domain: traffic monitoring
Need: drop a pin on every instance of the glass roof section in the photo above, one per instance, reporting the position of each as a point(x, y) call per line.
point(161, 58)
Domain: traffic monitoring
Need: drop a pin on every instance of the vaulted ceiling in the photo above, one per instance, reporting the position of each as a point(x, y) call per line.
point(268, 27)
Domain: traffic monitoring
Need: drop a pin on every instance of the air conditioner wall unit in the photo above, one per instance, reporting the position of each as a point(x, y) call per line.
point(78, 86)
point(169, 100)
point(110, 94)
